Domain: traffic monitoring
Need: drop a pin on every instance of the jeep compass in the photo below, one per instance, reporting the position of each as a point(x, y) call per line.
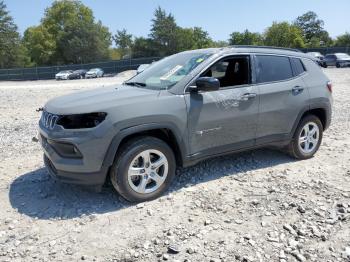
point(182, 109)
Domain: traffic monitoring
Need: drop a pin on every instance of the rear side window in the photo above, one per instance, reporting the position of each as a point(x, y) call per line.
point(273, 68)
point(298, 66)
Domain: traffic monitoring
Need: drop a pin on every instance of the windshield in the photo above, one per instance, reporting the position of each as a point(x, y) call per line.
point(168, 71)
point(343, 56)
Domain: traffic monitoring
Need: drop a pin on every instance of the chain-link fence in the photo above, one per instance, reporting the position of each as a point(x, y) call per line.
point(328, 50)
point(48, 72)
point(112, 67)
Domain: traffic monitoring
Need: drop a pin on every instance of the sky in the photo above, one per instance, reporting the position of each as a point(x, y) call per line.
point(218, 17)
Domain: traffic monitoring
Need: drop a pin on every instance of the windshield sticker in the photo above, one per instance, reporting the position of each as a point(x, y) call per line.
point(200, 60)
point(167, 75)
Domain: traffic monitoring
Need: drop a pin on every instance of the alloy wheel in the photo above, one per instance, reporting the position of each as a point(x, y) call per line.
point(309, 137)
point(148, 171)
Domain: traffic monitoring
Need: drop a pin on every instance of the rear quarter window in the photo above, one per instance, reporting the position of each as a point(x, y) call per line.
point(273, 68)
point(298, 66)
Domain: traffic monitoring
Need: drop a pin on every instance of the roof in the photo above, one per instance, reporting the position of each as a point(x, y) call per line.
point(264, 50)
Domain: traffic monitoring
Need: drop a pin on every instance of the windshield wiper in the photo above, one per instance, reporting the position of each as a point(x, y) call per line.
point(139, 84)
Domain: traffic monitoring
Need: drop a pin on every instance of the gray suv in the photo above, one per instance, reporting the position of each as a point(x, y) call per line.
point(182, 109)
point(339, 60)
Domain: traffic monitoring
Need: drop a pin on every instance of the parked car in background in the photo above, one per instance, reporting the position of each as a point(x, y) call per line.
point(142, 68)
point(94, 73)
point(63, 75)
point(78, 74)
point(183, 109)
point(318, 57)
point(337, 59)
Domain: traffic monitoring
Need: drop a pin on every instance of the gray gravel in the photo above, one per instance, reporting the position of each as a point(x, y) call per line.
point(254, 206)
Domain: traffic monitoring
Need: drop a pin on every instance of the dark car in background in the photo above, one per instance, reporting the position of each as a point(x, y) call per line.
point(337, 59)
point(318, 57)
point(78, 74)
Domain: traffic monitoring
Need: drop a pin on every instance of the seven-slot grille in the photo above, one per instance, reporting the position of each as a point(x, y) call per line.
point(49, 120)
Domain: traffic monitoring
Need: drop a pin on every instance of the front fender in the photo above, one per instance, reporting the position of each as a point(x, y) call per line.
point(125, 132)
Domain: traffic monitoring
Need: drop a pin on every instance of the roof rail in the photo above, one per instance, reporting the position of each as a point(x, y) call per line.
point(269, 47)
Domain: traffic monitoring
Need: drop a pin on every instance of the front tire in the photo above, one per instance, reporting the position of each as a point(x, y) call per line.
point(143, 169)
point(307, 138)
point(338, 65)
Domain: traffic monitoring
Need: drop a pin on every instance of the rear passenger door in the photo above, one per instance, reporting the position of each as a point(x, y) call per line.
point(283, 95)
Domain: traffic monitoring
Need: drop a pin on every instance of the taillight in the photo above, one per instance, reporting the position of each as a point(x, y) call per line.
point(329, 86)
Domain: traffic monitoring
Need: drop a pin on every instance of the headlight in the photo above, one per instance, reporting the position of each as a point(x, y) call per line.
point(82, 120)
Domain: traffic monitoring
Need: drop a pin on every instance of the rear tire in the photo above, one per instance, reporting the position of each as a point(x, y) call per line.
point(337, 65)
point(143, 169)
point(307, 138)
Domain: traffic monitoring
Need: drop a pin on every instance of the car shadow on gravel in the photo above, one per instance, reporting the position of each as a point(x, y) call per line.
point(36, 195)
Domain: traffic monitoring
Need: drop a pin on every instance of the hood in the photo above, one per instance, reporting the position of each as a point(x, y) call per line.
point(99, 100)
point(62, 74)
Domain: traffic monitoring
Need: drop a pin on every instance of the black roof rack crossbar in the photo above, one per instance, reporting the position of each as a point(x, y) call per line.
point(269, 47)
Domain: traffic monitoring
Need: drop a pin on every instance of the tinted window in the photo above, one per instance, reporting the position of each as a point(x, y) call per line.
point(230, 72)
point(273, 68)
point(332, 57)
point(298, 66)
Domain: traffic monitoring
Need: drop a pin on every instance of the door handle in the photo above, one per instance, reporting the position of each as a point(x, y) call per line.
point(247, 96)
point(297, 89)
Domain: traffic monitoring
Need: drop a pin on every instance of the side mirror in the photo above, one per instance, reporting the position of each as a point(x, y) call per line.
point(206, 84)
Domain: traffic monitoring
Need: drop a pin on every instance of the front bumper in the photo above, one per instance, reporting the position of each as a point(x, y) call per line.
point(90, 76)
point(89, 169)
point(61, 77)
point(87, 179)
point(344, 63)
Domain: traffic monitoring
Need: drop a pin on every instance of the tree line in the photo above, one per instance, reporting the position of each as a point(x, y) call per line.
point(69, 34)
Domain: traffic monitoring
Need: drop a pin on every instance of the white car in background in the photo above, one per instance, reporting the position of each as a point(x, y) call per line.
point(63, 75)
point(94, 73)
point(142, 68)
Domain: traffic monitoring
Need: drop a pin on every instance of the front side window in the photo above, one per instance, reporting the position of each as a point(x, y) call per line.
point(272, 68)
point(169, 71)
point(232, 71)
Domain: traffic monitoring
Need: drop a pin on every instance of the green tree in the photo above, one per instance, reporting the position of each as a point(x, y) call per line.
point(12, 52)
point(40, 45)
point(284, 35)
point(123, 41)
point(313, 30)
point(201, 38)
point(192, 38)
point(246, 38)
point(343, 40)
point(164, 31)
point(68, 33)
point(145, 47)
point(220, 43)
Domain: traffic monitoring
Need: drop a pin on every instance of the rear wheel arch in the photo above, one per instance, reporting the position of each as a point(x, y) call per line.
point(319, 111)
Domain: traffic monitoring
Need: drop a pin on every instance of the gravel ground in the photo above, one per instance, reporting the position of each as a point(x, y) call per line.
point(254, 206)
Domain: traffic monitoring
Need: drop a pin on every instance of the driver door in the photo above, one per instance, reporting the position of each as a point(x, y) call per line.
point(226, 119)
